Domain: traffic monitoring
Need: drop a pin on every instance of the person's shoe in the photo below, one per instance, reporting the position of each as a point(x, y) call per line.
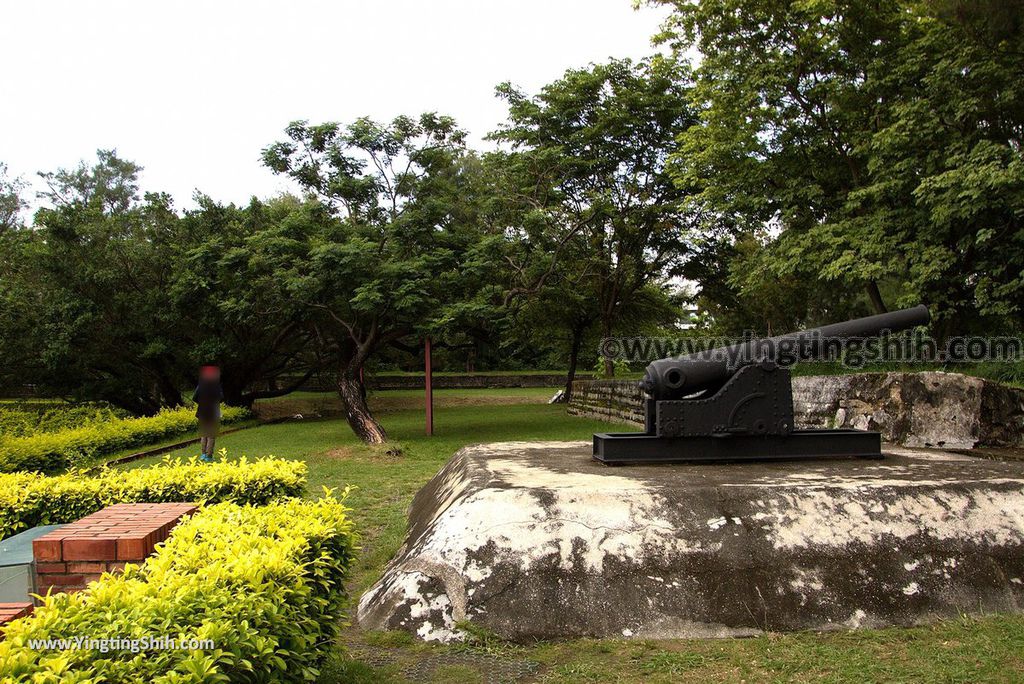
point(206, 458)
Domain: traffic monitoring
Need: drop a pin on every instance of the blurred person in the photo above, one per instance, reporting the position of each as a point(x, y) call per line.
point(208, 396)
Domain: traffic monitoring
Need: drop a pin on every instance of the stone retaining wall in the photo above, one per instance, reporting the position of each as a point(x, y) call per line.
point(929, 409)
point(617, 401)
point(326, 383)
point(467, 381)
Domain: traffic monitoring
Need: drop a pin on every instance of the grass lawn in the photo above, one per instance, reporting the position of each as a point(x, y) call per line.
point(490, 373)
point(383, 402)
point(169, 441)
point(386, 478)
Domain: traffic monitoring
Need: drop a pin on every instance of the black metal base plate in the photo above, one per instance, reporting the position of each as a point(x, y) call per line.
point(637, 447)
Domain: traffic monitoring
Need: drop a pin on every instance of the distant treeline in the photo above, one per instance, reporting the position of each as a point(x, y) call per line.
point(819, 161)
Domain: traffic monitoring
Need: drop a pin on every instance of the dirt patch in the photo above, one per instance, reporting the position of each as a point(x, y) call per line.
point(330, 406)
point(340, 453)
point(385, 403)
point(289, 408)
point(994, 453)
point(445, 664)
point(387, 453)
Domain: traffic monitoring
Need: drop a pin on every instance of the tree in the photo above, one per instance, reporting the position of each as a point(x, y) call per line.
point(13, 347)
point(546, 299)
point(387, 255)
point(115, 297)
point(11, 201)
point(562, 307)
point(230, 315)
point(589, 154)
point(739, 292)
point(92, 286)
point(17, 303)
point(110, 185)
point(875, 143)
point(950, 162)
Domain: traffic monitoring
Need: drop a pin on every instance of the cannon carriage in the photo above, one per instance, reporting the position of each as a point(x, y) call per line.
point(735, 403)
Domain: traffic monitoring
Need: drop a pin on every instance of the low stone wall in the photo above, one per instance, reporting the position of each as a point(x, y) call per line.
point(326, 383)
point(617, 401)
point(467, 381)
point(929, 409)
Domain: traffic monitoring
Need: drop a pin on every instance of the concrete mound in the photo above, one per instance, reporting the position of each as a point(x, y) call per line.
point(536, 540)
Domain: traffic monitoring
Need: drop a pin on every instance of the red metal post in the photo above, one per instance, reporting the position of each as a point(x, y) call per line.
point(430, 386)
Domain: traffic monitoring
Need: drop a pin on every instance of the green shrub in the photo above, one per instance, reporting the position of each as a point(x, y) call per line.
point(17, 423)
point(26, 418)
point(77, 415)
point(264, 585)
point(29, 499)
point(52, 452)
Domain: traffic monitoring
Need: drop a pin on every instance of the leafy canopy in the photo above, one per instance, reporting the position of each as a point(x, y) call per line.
point(864, 144)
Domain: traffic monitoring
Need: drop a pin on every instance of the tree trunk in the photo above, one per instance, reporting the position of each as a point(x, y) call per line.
point(170, 395)
point(574, 355)
point(235, 396)
point(366, 427)
point(609, 363)
point(274, 389)
point(876, 297)
point(137, 406)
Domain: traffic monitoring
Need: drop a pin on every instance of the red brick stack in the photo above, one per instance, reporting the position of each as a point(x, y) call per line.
point(67, 559)
point(13, 611)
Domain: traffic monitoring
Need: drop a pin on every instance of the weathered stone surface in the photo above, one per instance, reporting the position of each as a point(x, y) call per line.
point(537, 540)
point(929, 409)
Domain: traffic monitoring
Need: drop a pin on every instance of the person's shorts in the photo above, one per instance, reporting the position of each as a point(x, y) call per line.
point(208, 428)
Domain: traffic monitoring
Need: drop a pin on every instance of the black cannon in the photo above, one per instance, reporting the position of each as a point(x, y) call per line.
point(735, 403)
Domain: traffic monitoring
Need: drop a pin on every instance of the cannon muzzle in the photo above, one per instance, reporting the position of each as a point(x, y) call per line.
point(677, 377)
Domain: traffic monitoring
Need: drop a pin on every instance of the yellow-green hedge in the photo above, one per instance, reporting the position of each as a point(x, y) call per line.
point(25, 418)
point(263, 584)
point(30, 499)
point(53, 452)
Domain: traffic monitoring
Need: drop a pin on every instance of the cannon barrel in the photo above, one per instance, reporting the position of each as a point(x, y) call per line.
point(676, 377)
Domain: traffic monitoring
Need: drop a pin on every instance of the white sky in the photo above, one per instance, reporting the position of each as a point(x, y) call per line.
point(193, 91)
